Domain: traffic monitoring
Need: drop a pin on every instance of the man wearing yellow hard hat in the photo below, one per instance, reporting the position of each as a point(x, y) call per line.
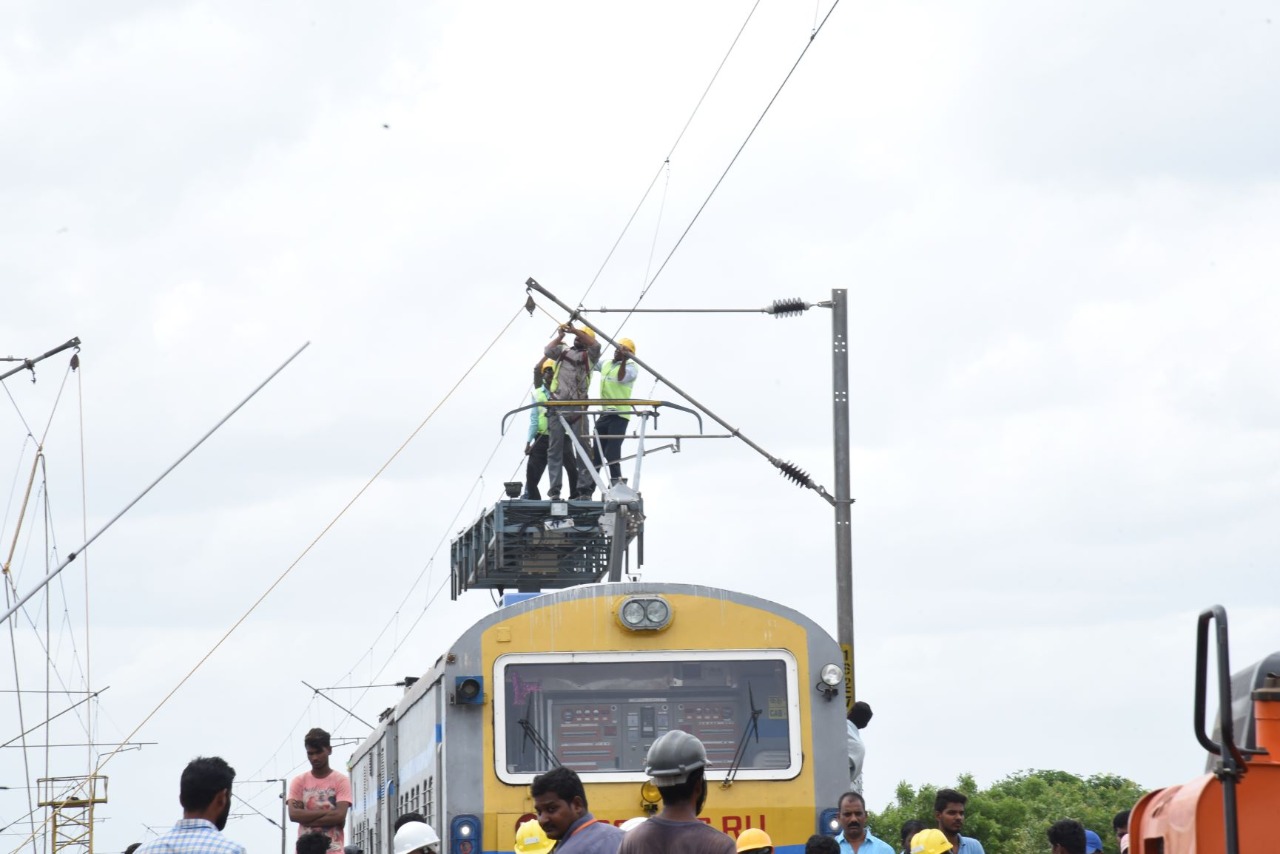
point(537, 439)
point(617, 377)
point(532, 839)
point(573, 382)
point(931, 841)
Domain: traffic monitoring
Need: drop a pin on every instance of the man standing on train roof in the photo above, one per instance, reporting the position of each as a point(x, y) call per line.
point(854, 838)
point(560, 803)
point(676, 764)
point(857, 720)
point(573, 382)
point(948, 810)
point(617, 376)
point(319, 798)
point(535, 447)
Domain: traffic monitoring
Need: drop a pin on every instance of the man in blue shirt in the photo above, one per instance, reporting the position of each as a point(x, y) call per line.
point(854, 838)
point(948, 809)
point(205, 795)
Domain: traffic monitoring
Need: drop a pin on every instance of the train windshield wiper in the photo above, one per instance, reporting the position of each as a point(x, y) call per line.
point(531, 734)
point(751, 728)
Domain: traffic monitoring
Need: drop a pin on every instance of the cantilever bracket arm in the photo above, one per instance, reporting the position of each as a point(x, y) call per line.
point(584, 404)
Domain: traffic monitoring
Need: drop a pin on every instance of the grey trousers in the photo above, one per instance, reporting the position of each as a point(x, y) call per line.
point(557, 447)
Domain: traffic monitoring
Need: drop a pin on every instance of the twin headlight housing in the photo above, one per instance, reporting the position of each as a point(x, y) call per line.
point(644, 613)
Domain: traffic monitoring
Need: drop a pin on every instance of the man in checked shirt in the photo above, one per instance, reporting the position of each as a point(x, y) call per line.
point(205, 795)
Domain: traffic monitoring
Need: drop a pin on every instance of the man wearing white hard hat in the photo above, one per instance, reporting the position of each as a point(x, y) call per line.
point(416, 837)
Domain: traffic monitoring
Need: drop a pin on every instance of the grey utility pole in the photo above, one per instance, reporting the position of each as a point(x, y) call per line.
point(843, 503)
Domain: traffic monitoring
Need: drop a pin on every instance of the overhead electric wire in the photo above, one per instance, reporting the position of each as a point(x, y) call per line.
point(84, 533)
point(736, 154)
point(325, 530)
point(666, 162)
point(18, 410)
point(141, 495)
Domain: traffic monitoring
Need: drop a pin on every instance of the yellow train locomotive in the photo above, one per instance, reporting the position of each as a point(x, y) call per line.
point(588, 677)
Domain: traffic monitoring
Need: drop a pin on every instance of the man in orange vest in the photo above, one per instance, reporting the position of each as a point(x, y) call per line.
point(561, 806)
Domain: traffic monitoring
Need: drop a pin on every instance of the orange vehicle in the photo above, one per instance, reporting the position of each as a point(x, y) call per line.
point(1234, 808)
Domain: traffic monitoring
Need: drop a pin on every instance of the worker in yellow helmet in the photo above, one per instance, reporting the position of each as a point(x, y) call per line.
point(537, 439)
point(532, 839)
point(930, 841)
point(617, 376)
point(573, 380)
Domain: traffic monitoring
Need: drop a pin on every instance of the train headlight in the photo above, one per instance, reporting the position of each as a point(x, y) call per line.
point(827, 822)
point(657, 612)
point(829, 679)
point(644, 614)
point(633, 613)
point(464, 835)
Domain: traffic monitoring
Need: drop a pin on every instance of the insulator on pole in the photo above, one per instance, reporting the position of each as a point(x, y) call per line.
point(793, 472)
point(787, 307)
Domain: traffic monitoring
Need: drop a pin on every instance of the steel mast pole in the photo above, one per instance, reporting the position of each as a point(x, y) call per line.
point(284, 814)
point(843, 503)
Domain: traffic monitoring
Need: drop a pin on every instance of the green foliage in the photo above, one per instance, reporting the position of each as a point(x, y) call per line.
point(1013, 815)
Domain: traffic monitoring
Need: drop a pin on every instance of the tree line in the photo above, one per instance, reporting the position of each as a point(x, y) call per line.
point(1013, 815)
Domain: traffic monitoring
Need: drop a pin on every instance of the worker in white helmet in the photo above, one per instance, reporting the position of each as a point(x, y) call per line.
point(416, 837)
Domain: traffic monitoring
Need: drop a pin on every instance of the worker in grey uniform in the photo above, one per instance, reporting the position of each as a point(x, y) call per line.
point(573, 382)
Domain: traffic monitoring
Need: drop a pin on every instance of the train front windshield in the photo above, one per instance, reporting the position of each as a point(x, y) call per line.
point(599, 714)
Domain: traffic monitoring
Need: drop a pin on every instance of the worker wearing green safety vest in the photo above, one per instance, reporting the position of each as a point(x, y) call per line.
point(617, 376)
point(535, 446)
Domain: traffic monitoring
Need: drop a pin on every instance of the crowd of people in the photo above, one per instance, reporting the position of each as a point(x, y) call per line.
point(563, 374)
point(676, 763)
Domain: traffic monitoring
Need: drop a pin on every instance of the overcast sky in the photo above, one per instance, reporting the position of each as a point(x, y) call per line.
point(1057, 227)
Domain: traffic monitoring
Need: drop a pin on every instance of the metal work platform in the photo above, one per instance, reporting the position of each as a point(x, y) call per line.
point(541, 545)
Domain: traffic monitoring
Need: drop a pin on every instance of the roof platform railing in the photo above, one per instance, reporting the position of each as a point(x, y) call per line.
point(524, 545)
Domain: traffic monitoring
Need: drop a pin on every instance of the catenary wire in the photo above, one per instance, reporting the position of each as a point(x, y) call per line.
point(667, 160)
point(84, 533)
point(734, 159)
point(385, 465)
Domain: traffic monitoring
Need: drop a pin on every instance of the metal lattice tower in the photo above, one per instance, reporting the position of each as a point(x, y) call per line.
point(70, 801)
